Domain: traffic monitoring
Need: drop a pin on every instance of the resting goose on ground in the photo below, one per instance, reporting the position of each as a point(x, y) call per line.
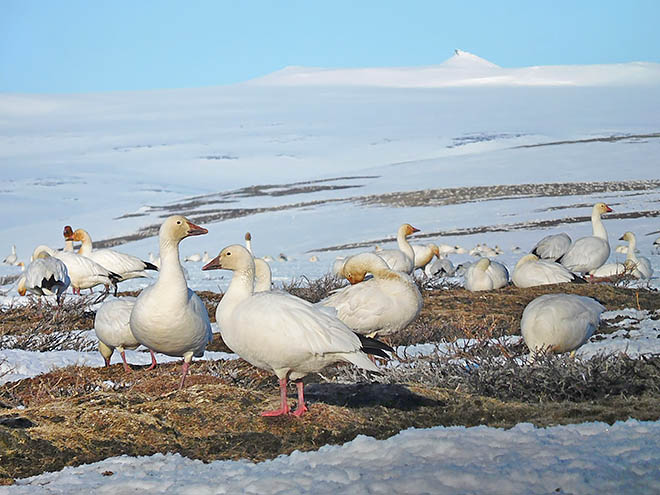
point(530, 271)
point(379, 306)
point(643, 268)
point(588, 253)
point(424, 254)
point(45, 275)
point(83, 272)
point(559, 322)
point(125, 265)
point(441, 267)
point(403, 258)
point(609, 270)
point(282, 333)
point(113, 329)
point(552, 247)
point(168, 317)
point(486, 275)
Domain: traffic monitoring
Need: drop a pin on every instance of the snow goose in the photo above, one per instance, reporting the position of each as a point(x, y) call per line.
point(424, 254)
point(11, 259)
point(402, 259)
point(45, 276)
point(609, 270)
point(194, 258)
point(282, 333)
point(552, 247)
point(559, 322)
point(643, 268)
point(530, 271)
point(486, 275)
point(588, 253)
point(112, 327)
point(83, 272)
point(380, 306)
point(168, 317)
point(125, 265)
point(441, 267)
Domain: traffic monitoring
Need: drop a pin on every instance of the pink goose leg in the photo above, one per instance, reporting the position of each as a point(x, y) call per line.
point(284, 409)
point(302, 408)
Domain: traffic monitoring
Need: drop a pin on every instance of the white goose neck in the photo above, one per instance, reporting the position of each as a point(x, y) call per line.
point(632, 245)
point(404, 245)
point(240, 288)
point(86, 246)
point(171, 272)
point(597, 225)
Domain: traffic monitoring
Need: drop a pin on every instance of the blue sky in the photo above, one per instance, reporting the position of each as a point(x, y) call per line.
point(102, 45)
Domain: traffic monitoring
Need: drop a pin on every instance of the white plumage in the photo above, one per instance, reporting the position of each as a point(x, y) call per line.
point(11, 259)
point(641, 265)
point(531, 271)
point(486, 275)
point(83, 272)
point(168, 317)
point(559, 322)
point(380, 306)
point(552, 247)
point(279, 332)
point(45, 275)
point(588, 253)
point(424, 254)
point(112, 327)
point(442, 267)
point(403, 258)
point(124, 265)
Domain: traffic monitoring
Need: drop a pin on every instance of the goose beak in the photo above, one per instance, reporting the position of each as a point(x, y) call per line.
point(414, 230)
point(622, 238)
point(608, 209)
point(196, 229)
point(214, 264)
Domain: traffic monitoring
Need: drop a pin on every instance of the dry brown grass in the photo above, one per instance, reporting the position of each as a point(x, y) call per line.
point(79, 414)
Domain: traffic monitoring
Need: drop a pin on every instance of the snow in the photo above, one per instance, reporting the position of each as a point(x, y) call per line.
point(446, 460)
point(116, 162)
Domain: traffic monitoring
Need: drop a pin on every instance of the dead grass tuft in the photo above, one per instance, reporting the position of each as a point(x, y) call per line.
point(314, 290)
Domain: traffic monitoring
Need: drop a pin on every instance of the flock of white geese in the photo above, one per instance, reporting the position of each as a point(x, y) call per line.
point(290, 337)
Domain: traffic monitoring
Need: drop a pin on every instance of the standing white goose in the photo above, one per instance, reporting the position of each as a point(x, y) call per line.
point(424, 254)
point(112, 327)
point(83, 272)
point(402, 259)
point(588, 253)
point(486, 275)
point(530, 271)
point(377, 307)
point(168, 317)
point(125, 265)
point(552, 247)
point(643, 268)
point(45, 275)
point(282, 333)
point(559, 322)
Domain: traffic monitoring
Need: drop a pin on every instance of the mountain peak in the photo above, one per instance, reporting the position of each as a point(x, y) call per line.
point(465, 59)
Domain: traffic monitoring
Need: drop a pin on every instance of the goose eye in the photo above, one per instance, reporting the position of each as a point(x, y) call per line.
point(228, 254)
point(178, 222)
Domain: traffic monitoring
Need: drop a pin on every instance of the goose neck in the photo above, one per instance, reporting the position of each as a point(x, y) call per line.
point(404, 245)
point(632, 245)
point(86, 245)
point(171, 271)
point(240, 288)
point(597, 226)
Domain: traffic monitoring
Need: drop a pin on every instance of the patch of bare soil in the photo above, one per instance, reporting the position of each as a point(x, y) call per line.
point(79, 414)
point(199, 209)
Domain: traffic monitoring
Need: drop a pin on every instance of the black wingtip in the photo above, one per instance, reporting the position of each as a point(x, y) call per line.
point(375, 347)
point(579, 280)
point(115, 278)
point(149, 266)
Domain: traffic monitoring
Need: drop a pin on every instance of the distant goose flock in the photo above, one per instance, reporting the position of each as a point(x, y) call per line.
point(290, 337)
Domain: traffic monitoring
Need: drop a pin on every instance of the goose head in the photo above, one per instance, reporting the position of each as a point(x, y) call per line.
point(601, 208)
point(406, 229)
point(526, 259)
point(628, 236)
point(177, 227)
point(482, 264)
point(248, 236)
point(79, 235)
point(357, 267)
point(68, 233)
point(234, 257)
point(21, 286)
